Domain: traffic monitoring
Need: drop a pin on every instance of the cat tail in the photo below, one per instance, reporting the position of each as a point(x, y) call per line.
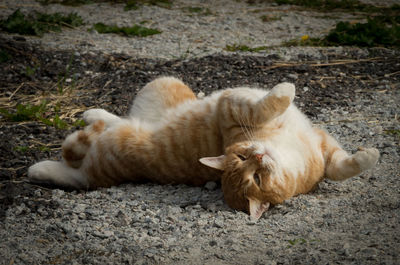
point(76, 145)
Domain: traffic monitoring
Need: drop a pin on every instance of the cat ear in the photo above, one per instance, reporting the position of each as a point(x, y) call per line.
point(257, 208)
point(216, 162)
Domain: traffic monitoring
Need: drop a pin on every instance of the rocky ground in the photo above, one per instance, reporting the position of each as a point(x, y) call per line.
point(352, 92)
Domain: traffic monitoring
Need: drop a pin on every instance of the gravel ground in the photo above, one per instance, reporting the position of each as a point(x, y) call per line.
point(352, 92)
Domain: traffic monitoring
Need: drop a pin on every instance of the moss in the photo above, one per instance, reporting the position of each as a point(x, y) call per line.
point(135, 30)
point(39, 23)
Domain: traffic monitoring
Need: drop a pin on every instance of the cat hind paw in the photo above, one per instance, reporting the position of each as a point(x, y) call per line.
point(284, 90)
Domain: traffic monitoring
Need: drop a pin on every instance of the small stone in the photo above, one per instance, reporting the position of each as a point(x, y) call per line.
point(201, 95)
point(79, 208)
point(219, 222)
point(103, 234)
point(202, 222)
point(293, 76)
point(38, 193)
point(211, 185)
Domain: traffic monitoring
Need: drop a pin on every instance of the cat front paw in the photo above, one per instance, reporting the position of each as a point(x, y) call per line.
point(366, 158)
point(284, 90)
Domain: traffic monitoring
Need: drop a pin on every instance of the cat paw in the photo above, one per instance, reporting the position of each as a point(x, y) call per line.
point(284, 90)
point(92, 115)
point(41, 172)
point(366, 158)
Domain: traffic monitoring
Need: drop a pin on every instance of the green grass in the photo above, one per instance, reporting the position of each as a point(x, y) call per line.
point(66, 2)
point(24, 148)
point(136, 4)
point(25, 112)
point(21, 149)
point(269, 18)
point(129, 4)
point(378, 31)
point(393, 132)
point(135, 30)
point(348, 5)
point(38, 23)
point(34, 113)
point(244, 48)
point(297, 241)
point(197, 10)
point(373, 33)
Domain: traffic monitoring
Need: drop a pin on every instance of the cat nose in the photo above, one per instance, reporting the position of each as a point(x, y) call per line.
point(259, 157)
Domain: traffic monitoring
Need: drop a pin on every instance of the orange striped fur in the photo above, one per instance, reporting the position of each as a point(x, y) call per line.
point(261, 147)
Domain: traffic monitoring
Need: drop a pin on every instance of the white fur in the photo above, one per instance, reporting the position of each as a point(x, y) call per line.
point(93, 115)
point(284, 90)
point(57, 173)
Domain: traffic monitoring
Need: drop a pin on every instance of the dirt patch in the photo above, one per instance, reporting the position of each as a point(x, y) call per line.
point(354, 94)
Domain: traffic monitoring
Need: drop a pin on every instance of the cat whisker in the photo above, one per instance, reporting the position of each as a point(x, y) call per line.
point(243, 126)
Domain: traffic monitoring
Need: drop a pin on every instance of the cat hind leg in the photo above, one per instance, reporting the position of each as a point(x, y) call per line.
point(58, 173)
point(76, 145)
point(156, 97)
point(277, 101)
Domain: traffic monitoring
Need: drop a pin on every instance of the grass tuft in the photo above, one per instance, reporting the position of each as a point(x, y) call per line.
point(373, 33)
point(34, 113)
point(393, 132)
point(244, 48)
point(129, 4)
point(378, 31)
point(39, 23)
point(135, 30)
point(25, 112)
point(67, 2)
point(348, 5)
point(270, 18)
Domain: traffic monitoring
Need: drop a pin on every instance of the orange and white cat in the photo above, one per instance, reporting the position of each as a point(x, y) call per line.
point(261, 147)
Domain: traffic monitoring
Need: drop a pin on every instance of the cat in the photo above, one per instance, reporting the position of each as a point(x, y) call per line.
point(256, 142)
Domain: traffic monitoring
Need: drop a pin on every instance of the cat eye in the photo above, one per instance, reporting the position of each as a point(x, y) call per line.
point(257, 179)
point(243, 158)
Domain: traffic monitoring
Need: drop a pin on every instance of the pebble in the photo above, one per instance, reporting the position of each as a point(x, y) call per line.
point(211, 185)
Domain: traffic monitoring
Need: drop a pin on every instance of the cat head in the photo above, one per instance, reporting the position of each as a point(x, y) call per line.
point(252, 178)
